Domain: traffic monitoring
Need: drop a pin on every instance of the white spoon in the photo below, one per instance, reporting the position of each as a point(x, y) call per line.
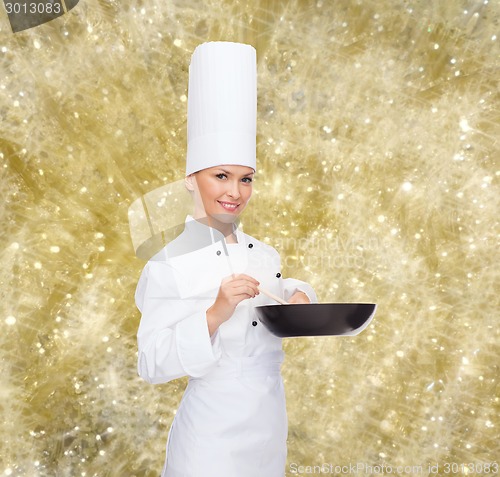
point(273, 296)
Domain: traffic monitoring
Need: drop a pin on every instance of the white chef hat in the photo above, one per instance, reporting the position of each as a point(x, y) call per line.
point(222, 106)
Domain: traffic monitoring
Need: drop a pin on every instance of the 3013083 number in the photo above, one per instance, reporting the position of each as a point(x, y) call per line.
point(478, 468)
point(33, 8)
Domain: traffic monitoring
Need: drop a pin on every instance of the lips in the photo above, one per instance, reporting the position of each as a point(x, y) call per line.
point(231, 207)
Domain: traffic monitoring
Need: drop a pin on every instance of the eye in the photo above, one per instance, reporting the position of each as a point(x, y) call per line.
point(248, 179)
point(221, 175)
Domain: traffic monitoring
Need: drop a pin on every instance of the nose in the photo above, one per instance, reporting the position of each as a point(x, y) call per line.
point(234, 189)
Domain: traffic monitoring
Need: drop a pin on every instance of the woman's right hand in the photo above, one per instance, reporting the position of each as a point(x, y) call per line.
point(233, 290)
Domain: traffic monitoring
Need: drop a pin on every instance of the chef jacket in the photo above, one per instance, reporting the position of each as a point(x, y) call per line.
point(181, 282)
point(232, 417)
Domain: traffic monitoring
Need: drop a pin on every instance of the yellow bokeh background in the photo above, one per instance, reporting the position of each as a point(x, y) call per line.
point(377, 181)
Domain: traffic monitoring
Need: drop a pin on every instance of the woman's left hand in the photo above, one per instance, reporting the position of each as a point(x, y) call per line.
point(299, 297)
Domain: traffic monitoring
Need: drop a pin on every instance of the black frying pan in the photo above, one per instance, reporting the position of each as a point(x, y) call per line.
point(316, 319)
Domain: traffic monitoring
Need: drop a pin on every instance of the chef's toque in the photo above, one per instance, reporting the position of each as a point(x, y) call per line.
point(222, 106)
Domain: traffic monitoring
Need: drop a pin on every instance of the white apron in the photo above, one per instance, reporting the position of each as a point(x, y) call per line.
point(231, 422)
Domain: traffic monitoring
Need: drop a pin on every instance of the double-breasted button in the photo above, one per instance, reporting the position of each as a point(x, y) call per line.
point(278, 275)
point(250, 245)
point(254, 323)
point(218, 252)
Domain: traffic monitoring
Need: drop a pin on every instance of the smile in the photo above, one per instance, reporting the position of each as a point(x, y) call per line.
point(228, 205)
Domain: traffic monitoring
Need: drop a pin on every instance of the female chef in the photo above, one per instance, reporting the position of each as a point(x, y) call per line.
point(197, 295)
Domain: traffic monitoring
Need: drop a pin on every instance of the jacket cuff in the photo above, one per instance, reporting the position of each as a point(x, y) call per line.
point(197, 352)
point(292, 285)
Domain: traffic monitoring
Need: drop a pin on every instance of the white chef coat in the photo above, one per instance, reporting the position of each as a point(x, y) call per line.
point(232, 417)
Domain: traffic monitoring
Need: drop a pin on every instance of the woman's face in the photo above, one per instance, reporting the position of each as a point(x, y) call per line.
point(221, 192)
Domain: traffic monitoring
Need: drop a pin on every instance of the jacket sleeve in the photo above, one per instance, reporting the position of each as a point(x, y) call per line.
point(292, 285)
point(173, 338)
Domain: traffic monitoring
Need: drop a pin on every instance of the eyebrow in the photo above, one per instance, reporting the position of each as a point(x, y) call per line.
point(230, 173)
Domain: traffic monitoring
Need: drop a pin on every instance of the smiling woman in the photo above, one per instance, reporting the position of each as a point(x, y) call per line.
point(198, 295)
point(220, 195)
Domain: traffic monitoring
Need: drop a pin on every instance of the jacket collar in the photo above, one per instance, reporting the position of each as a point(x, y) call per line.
point(194, 226)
